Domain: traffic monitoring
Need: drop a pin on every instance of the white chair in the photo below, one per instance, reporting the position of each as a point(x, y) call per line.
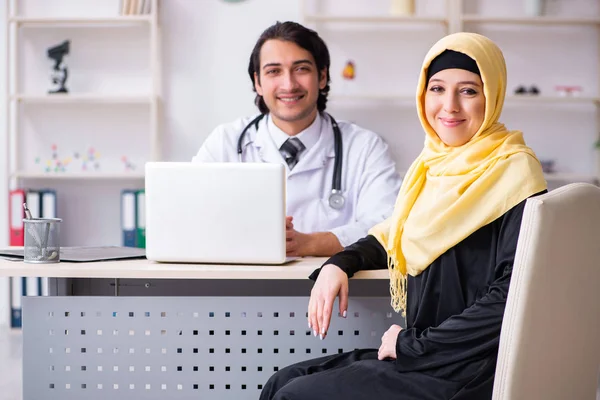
point(550, 338)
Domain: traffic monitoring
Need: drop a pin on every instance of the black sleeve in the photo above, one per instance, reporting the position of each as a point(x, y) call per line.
point(366, 253)
point(475, 332)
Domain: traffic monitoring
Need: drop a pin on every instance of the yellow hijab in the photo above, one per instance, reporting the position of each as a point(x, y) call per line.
point(450, 192)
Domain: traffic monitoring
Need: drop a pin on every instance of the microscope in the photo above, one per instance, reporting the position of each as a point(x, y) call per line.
point(59, 73)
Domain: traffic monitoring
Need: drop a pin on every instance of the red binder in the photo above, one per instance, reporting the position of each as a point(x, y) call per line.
point(16, 215)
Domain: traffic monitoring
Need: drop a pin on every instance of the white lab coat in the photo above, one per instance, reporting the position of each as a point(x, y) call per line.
point(370, 182)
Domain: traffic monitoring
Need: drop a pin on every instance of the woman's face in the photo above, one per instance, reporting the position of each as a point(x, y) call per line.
point(455, 105)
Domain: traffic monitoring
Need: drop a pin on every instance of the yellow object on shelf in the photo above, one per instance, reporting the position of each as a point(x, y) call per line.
point(402, 7)
point(349, 70)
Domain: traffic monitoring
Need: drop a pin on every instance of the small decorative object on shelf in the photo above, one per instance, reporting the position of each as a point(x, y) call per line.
point(532, 90)
point(402, 7)
point(91, 158)
point(59, 73)
point(89, 161)
point(349, 72)
point(569, 90)
point(548, 166)
point(533, 8)
point(127, 164)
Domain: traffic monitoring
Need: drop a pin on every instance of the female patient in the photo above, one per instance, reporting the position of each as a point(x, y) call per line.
point(449, 246)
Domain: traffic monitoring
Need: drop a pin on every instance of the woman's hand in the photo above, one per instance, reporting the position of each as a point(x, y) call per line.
point(388, 343)
point(332, 282)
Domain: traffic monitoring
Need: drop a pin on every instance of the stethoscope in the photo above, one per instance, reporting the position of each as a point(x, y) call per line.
point(336, 199)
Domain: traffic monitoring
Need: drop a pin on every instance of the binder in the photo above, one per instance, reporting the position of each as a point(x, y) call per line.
point(48, 207)
point(16, 291)
point(16, 215)
point(32, 286)
point(34, 203)
point(44, 287)
point(128, 200)
point(140, 6)
point(124, 7)
point(140, 219)
point(132, 7)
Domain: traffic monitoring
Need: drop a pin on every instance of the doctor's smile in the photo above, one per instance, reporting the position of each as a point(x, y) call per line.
point(290, 99)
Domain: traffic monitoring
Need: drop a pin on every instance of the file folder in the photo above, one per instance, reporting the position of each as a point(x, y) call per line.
point(34, 203)
point(128, 203)
point(48, 207)
point(16, 291)
point(140, 219)
point(17, 213)
point(32, 286)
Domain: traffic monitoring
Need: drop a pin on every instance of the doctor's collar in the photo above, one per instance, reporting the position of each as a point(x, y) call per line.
point(309, 136)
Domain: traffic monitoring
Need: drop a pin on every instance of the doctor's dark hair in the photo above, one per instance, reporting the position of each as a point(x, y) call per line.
point(303, 37)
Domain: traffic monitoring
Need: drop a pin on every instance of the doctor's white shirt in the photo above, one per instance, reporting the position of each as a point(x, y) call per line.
point(370, 182)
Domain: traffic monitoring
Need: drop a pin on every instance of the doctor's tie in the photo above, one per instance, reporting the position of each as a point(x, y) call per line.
point(290, 149)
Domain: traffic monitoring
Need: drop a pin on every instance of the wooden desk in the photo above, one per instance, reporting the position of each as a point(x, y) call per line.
point(144, 269)
point(214, 331)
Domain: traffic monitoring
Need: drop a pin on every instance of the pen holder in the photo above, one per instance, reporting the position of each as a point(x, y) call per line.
point(42, 240)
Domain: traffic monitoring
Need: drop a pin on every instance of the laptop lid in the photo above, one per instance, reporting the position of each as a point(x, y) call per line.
point(215, 212)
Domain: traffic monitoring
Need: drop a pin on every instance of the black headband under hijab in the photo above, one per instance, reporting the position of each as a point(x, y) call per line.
point(449, 59)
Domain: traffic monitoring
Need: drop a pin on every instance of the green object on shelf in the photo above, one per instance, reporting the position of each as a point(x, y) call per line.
point(140, 219)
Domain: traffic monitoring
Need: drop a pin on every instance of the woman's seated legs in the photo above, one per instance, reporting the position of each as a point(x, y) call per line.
point(355, 375)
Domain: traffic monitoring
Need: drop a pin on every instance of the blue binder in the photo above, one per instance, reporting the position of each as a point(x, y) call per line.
point(17, 286)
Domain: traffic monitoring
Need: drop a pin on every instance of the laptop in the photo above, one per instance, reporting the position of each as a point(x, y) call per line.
point(231, 213)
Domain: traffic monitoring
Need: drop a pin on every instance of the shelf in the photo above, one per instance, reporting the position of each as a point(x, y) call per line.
point(78, 175)
point(375, 19)
point(569, 177)
point(91, 21)
point(82, 98)
point(542, 20)
point(371, 97)
point(552, 99)
point(509, 99)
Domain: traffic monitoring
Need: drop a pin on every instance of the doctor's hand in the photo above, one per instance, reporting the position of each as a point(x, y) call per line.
point(317, 244)
point(297, 244)
point(331, 282)
point(388, 343)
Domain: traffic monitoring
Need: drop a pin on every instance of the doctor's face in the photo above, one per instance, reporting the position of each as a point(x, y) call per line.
point(289, 83)
point(455, 105)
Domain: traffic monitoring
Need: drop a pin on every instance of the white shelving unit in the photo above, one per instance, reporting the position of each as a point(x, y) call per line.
point(82, 99)
point(55, 22)
point(23, 175)
point(374, 19)
point(17, 99)
point(455, 19)
point(542, 20)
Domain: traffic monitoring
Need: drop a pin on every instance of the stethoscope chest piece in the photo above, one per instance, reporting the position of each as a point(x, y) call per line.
point(336, 200)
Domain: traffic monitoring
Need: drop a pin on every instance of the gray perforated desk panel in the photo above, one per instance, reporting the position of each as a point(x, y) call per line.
point(98, 338)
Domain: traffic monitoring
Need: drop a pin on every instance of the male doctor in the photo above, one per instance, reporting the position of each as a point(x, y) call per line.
point(289, 69)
